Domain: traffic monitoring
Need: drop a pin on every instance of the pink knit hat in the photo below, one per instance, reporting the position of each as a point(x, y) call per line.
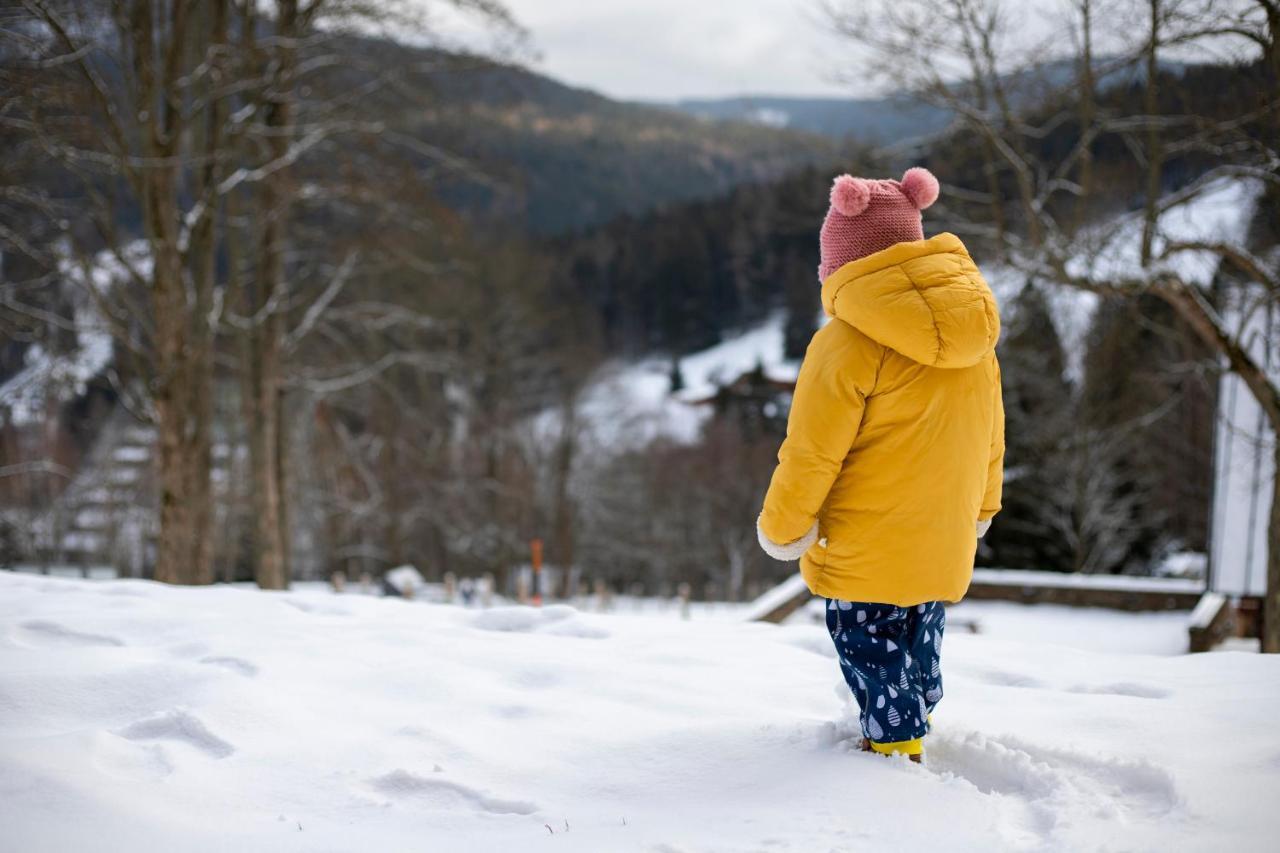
point(867, 216)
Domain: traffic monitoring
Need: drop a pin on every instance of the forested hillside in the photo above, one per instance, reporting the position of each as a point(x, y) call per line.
point(681, 279)
point(562, 159)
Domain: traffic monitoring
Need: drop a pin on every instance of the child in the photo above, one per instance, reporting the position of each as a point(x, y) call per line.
point(892, 465)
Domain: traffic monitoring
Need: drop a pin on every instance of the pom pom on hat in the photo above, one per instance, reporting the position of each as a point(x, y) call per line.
point(920, 187)
point(850, 195)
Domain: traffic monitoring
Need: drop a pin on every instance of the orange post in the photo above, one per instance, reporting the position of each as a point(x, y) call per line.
point(535, 553)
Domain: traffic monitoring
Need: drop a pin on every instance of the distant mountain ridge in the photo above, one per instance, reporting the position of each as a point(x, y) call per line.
point(889, 120)
point(566, 158)
point(875, 121)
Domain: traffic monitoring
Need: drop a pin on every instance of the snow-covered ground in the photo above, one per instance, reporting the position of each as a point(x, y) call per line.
point(1090, 629)
point(139, 717)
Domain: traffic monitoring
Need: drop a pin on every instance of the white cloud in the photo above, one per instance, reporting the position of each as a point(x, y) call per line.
point(665, 49)
point(668, 49)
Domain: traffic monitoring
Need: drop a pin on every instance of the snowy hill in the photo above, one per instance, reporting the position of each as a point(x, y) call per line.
point(137, 717)
point(629, 404)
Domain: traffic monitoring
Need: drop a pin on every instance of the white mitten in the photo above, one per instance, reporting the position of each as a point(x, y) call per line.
point(983, 527)
point(792, 550)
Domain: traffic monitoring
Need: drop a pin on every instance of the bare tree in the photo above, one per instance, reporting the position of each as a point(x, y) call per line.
point(198, 121)
point(287, 274)
point(127, 99)
point(970, 57)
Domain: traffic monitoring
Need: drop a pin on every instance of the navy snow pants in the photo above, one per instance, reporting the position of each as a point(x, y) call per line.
point(890, 658)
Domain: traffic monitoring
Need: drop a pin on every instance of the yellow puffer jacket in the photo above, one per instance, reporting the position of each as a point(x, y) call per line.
point(895, 443)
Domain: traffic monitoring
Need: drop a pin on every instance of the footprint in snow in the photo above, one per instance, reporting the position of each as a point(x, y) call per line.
point(315, 609)
point(43, 633)
point(415, 731)
point(536, 677)
point(126, 588)
point(178, 726)
point(443, 794)
point(234, 664)
point(1123, 688)
point(521, 618)
point(1001, 677)
point(129, 760)
point(1040, 776)
point(559, 619)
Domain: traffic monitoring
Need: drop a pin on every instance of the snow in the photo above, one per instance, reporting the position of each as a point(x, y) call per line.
point(53, 377)
point(124, 476)
point(132, 453)
point(1220, 211)
point(769, 117)
point(1091, 629)
point(628, 405)
point(703, 372)
point(405, 580)
point(138, 717)
point(1184, 564)
point(94, 519)
point(86, 541)
point(1207, 609)
point(1061, 580)
point(776, 597)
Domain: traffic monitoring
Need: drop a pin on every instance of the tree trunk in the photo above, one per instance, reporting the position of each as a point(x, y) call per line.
point(1271, 598)
point(1088, 114)
point(1155, 147)
point(261, 408)
point(263, 353)
point(282, 485)
point(184, 362)
point(1271, 213)
point(184, 554)
point(562, 525)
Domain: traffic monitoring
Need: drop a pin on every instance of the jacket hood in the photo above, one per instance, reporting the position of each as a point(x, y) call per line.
point(924, 299)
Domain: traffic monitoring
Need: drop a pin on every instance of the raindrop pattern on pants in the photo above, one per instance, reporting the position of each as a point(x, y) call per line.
point(889, 656)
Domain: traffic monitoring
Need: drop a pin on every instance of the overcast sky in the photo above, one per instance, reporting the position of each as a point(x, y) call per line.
point(667, 49)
